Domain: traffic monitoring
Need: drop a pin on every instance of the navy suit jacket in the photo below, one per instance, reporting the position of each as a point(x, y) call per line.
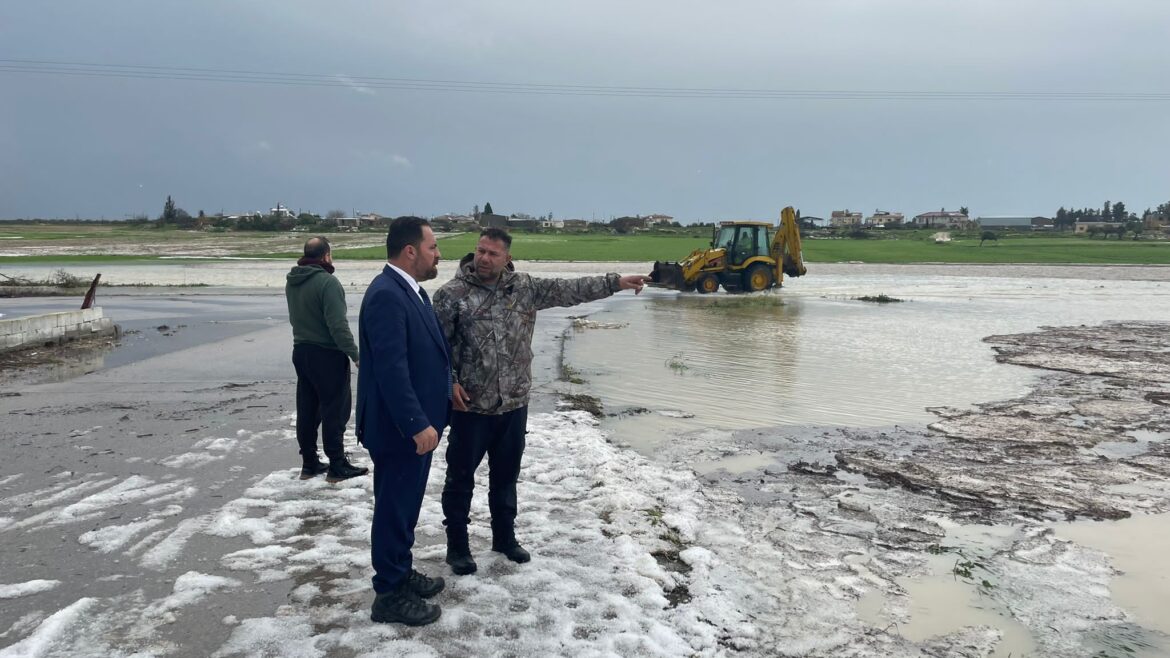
point(404, 379)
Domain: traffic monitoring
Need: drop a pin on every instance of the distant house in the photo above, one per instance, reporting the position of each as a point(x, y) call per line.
point(372, 220)
point(655, 220)
point(349, 223)
point(1152, 221)
point(492, 220)
point(1093, 227)
point(844, 218)
point(452, 222)
point(1008, 223)
point(280, 211)
point(575, 224)
point(885, 218)
point(941, 219)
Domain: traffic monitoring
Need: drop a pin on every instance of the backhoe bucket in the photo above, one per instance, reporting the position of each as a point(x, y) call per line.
point(669, 275)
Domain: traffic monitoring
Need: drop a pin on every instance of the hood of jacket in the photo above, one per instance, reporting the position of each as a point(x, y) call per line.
point(302, 273)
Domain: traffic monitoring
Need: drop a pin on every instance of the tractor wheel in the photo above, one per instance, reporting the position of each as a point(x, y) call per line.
point(758, 277)
point(707, 283)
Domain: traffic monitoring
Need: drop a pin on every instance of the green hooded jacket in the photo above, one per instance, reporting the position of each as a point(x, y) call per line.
point(317, 310)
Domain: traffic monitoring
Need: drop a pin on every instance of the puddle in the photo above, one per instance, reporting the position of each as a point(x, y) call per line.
point(948, 596)
point(1137, 547)
point(941, 603)
point(56, 363)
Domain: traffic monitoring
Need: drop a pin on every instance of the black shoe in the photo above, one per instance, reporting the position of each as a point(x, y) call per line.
point(403, 606)
point(423, 586)
point(312, 470)
point(461, 562)
point(340, 469)
point(514, 551)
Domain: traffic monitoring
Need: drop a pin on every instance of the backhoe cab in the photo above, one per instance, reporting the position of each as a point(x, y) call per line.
point(743, 257)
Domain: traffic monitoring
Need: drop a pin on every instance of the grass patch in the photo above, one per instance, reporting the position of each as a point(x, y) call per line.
point(879, 299)
point(581, 402)
point(58, 279)
point(654, 514)
point(676, 364)
point(571, 375)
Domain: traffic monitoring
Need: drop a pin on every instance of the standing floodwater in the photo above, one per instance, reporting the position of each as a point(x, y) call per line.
point(812, 354)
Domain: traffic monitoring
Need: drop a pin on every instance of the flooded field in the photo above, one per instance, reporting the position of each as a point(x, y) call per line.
point(754, 392)
point(999, 497)
point(811, 354)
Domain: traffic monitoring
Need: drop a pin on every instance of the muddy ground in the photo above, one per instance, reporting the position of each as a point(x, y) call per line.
point(1088, 442)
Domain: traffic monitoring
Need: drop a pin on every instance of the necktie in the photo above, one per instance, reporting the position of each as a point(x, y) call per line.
point(426, 299)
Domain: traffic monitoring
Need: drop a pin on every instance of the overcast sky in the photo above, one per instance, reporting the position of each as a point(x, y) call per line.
point(93, 144)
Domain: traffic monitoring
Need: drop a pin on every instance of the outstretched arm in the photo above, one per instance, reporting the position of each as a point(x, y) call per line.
point(570, 292)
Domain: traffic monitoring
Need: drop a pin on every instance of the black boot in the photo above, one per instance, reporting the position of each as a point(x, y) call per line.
point(311, 467)
point(340, 469)
point(423, 586)
point(504, 541)
point(403, 606)
point(459, 551)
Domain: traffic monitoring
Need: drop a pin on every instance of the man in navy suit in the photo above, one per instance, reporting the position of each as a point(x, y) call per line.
point(403, 403)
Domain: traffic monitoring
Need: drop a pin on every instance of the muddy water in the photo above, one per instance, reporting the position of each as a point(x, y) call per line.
point(811, 354)
point(1137, 548)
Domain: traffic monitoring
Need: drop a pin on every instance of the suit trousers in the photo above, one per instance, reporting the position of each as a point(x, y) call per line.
point(323, 399)
point(501, 438)
point(400, 479)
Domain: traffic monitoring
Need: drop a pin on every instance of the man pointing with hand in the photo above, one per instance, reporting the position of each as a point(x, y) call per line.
point(488, 312)
point(403, 403)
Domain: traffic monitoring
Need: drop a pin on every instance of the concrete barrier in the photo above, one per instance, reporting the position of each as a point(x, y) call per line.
point(60, 327)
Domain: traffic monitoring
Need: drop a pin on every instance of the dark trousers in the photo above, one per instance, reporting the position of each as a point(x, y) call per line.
point(323, 399)
point(473, 435)
point(400, 479)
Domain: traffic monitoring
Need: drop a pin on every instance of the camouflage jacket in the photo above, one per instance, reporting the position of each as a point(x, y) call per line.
point(490, 329)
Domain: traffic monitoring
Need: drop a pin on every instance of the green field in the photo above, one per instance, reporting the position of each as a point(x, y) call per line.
point(582, 247)
point(636, 248)
point(1068, 249)
point(69, 243)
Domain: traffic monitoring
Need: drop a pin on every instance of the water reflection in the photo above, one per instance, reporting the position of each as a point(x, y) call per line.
point(55, 364)
point(775, 359)
point(811, 354)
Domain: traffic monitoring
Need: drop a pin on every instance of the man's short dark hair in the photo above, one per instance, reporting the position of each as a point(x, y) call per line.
point(496, 233)
point(316, 247)
point(404, 231)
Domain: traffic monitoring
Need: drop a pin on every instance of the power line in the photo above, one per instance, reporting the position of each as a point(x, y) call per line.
point(234, 76)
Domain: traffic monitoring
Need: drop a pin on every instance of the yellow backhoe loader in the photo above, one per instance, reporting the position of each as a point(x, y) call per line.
point(743, 257)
